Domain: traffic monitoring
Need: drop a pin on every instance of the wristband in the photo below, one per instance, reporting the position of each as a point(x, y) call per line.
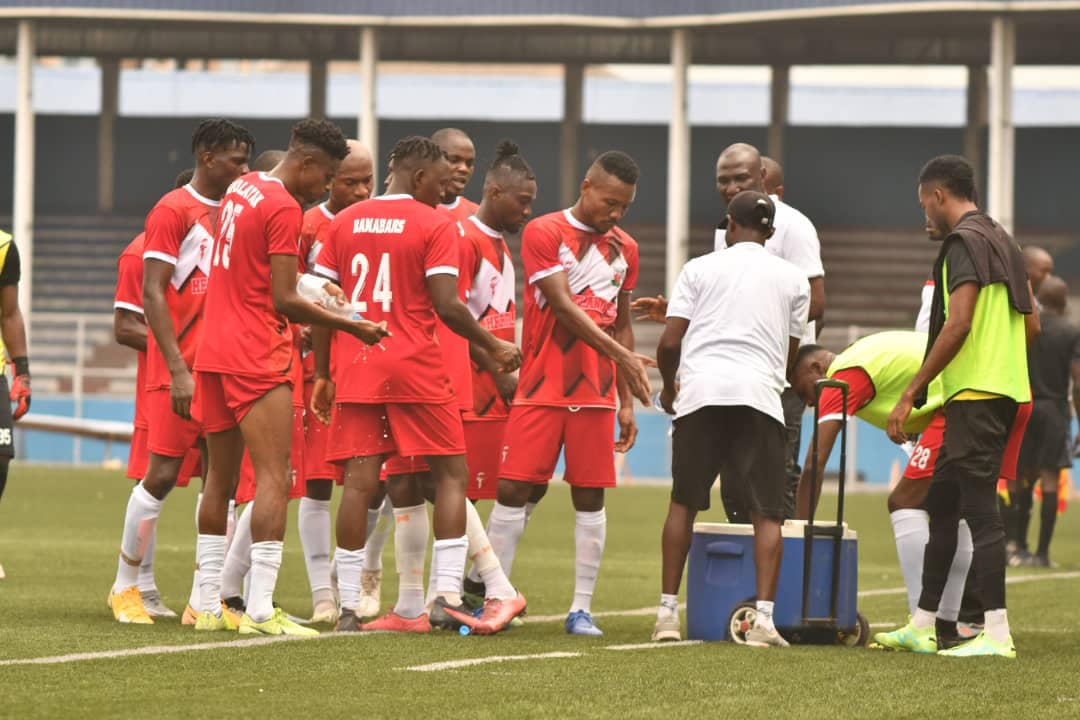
point(22, 366)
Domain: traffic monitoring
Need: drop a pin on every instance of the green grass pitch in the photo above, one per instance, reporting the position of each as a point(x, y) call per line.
point(59, 532)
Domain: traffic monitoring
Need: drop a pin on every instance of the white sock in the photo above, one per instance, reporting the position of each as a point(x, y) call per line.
point(923, 618)
point(448, 555)
point(764, 617)
point(590, 529)
point(230, 524)
point(378, 533)
point(238, 560)
point(410, 547)
point(669, 605)
point(194, 599)
point(146, 582)
point(997, 625)
point(350, 564)
point(433, 575)
point(484, 561)
point(265, 563)
point(530, 507)
point(313, 520)
point(912, 531)
point(210, 554)
point(953, 594)
point(505, 527)
point(140, 519)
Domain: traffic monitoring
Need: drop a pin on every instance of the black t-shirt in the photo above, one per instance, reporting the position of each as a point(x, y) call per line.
point(1051, 356)
point(959, 268)
point(12, 270)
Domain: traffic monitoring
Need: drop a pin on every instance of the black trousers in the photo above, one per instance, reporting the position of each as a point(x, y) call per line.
point(964, 486)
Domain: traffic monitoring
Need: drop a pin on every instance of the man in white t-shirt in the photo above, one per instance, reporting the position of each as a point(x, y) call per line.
point(733, 328)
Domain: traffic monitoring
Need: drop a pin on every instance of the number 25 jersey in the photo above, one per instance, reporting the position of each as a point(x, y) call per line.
point(382, 251)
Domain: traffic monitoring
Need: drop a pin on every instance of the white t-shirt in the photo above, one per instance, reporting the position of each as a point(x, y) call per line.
point(795, 240)
point(922, 322)
point(744, 306)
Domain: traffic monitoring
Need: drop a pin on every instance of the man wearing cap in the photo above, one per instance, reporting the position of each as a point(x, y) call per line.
point(733, 328)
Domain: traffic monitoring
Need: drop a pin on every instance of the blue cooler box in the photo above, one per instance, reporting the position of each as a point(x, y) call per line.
point(721, 576)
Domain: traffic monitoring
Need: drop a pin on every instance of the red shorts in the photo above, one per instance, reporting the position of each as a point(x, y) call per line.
point(398, 465)
point(923, 458)
point(191, 467)
point(535, 434)
point(169, 434)
point(483, 453)
point(139, 454)
point(245, 488)
point(363, 430)
point(315, 437)
point(222, 401)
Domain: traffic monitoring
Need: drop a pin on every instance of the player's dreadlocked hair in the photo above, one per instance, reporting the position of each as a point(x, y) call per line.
point(218, 133)
point(508, 157)
point(184, 178)
point(619, 164)
point(321, 134)
point(415, 148)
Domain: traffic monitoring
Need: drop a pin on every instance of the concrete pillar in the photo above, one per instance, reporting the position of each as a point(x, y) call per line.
point(1001, 162)
point(110, 107)
point(678, 180)
point(570, 133)
point(779, 96)
point(317, 88)
point(368, 122)
point(977, 91)
point(23, 220)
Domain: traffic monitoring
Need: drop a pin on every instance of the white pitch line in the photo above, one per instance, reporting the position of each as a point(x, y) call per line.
point(455, 664)
point(654, 645)
point(1016, 580)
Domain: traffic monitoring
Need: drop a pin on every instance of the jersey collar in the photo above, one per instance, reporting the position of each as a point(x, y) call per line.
point(204, 200)
point(326, 211)
point(453, 205)
point(575, 222)
point(396, 196)
point(270, 178)
point(484, 228)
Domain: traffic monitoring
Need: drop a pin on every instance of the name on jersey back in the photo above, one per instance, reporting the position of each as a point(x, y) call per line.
point(378, 226)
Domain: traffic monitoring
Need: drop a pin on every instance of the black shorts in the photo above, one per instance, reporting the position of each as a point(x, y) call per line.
point(7, 424)
point(1046, 440)
point(744, 446)
point(969, 462)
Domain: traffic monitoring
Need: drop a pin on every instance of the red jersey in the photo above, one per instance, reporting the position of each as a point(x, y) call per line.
point(244, 334)
point(456, 348)
point(462, 208)
point(558, 369)
point(129, 274)
point(382, 251)
point(312, 237)
point(491, 301)
point(180, 231)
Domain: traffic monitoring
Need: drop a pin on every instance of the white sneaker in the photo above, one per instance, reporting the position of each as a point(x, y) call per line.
point(370, 593)
point(154, 606)
point(760, 636)
point(667, 628)
point(325, 612)
point(2, 575)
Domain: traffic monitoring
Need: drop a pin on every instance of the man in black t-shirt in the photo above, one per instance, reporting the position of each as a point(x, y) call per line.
point(1053, 360)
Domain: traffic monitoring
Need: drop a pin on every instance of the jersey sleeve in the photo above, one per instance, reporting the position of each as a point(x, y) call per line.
point(283, 230)
point(803, 248)
point(165, 231)
point(540, 252)
point(12, 271)
point(326, 264)
point(860, 392)
point(632, 267)
point(128, 284)
point(442, 252)
point(800, 310)
point(959, 267)
point(468, 257)
point(684, 295)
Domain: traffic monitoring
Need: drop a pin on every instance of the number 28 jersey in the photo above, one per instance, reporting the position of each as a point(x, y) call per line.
point(381, 251)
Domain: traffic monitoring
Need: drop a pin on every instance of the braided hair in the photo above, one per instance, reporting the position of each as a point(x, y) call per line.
point(508, 157)
point(321, 134)
point(219, 133)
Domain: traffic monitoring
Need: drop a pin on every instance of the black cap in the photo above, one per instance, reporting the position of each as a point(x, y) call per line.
point(753, 209)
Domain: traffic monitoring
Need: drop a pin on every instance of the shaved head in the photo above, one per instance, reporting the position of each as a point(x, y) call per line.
point(1039, 264)
point(359, 154)
point(1054, 294)
point(461, 153)
point(267, 160)
point(354, 179)
point(774, 177)
point(738, 169)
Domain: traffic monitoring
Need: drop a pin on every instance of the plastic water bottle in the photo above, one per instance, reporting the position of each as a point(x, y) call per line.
point(313, 289)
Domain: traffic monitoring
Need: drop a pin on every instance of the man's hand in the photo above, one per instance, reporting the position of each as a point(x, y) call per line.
point(506, 385)
point(507, 356)
point(627, 430)
point(181, 389)
point(337, 295)
point(368, 332)
point(654, 309)
point(667, 399)
point(646, 360)
point(899, 417)
point(322, 399)
point(20, 394)
point(635, 376)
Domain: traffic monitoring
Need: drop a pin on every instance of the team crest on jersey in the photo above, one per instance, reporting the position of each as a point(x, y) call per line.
point(617, 279)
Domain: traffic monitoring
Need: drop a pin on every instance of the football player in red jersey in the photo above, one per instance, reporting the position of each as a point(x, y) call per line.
point(578, 346)
point(245, 365)
point(176, 263)
point(398, 259)
point(461, 153)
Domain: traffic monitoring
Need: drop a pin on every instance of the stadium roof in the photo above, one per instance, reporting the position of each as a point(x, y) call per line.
point(541, 31)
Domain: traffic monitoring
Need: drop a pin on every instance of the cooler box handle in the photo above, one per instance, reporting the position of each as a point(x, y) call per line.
point(724, 549)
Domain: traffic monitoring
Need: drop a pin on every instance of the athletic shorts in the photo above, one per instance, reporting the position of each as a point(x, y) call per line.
point(139, 454)
point(400, 465)
point(7, 421)
point(535, 434)
point(1046, 442)
point(191, 467)
point(923, 458)
point(364, 430)
point(245, 488)
point(315, 436)
point(483, 454)
point(746, 447)
point(170, 435)
point(222, 401)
